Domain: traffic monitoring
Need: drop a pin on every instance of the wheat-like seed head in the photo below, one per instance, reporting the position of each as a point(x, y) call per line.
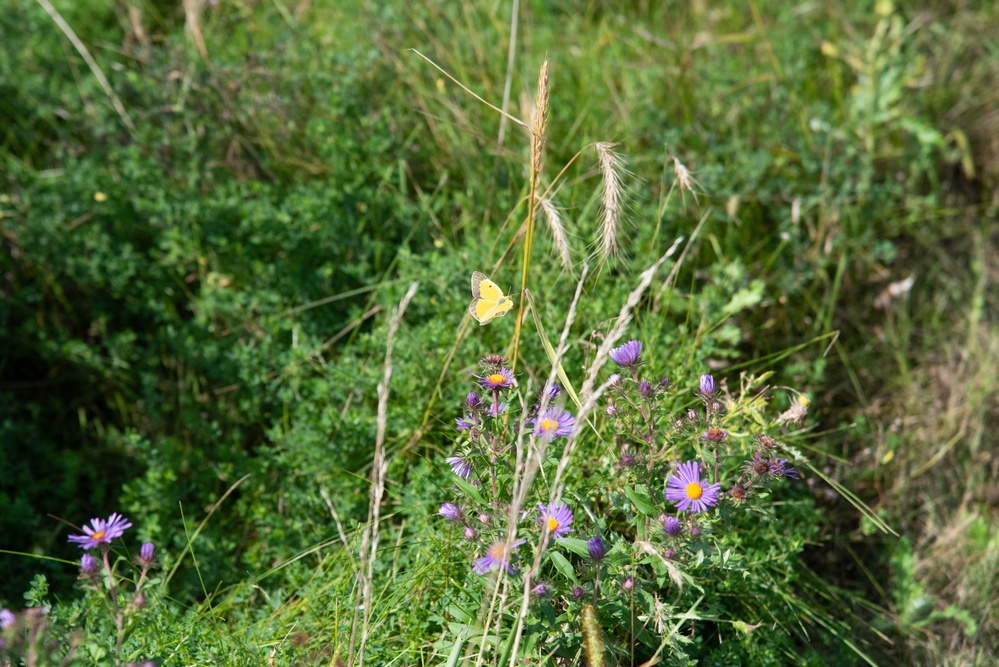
point(611, 167)
point(559, 237)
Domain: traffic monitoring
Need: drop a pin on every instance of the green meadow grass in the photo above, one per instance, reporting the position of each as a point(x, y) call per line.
point(203, 261)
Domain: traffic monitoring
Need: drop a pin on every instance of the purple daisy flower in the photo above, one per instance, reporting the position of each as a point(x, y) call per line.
point(102, 532)
point(499, 379)
point(558, 519)
point(672, 526)
point(460, 466)
point(686, 489)
point(497, 557)
point(597, 548)
point(553, 422)
point(7, 618)
point(627, 355)
point(450, 511)
point(707, 384)
point(715, 434)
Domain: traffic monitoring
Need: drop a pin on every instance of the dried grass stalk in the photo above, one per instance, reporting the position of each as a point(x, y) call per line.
point(611, 196)
point(369, 542)
point(555, 226)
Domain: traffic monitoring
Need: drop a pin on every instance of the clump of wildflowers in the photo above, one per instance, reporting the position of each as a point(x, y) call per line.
point(676, 463)
point(100, 534)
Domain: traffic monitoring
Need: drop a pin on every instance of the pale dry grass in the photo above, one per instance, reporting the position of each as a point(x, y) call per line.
point(560, 240)
point(611, 197)
point(379, 466)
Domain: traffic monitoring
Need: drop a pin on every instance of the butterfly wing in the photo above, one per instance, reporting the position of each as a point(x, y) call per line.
point(489, 291)
point(488, 300)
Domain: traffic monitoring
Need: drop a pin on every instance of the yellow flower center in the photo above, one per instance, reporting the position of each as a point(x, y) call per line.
point(552, 525)
point(498, 550)
point(549, 424)
point(694, 490)
point(497, 378)
point(99, 535)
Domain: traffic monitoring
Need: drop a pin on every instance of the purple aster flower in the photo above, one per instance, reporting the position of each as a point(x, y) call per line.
point(715, 434)
point(450, 511)
point(146, 553)
point(778, 469)
point(472, 400)
point(578, 593)
point(557, 519)
point(672, 525)
point(553, 422)
point(540, 590)
point(499, 379)
point(686, 489)
point(645, 389)
point(628, 354)
point(7, 618)
point(460, 466)
point(88, 565)
point(466, 422)
point(707, 385)
point(497, 557)
point(470, 534)
point(102, 532)
point(597, 548)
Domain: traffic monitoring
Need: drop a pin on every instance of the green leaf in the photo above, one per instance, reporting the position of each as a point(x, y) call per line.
point(576, 546)
point(563, 566)
point(643, 501)
point(467, 487)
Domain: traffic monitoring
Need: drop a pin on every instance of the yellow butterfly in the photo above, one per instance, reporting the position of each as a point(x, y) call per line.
point(488, 300)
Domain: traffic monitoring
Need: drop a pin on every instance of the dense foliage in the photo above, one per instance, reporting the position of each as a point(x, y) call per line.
point(201, 261)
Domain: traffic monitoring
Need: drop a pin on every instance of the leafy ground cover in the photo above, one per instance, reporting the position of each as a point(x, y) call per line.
point(213, 218)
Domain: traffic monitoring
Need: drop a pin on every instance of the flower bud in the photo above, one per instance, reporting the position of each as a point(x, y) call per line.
point(146, 553)
point(88, 565)
point(628, 584)
point(707, 385)
point(578, 593)
point(470, 534)
point(597, 548)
